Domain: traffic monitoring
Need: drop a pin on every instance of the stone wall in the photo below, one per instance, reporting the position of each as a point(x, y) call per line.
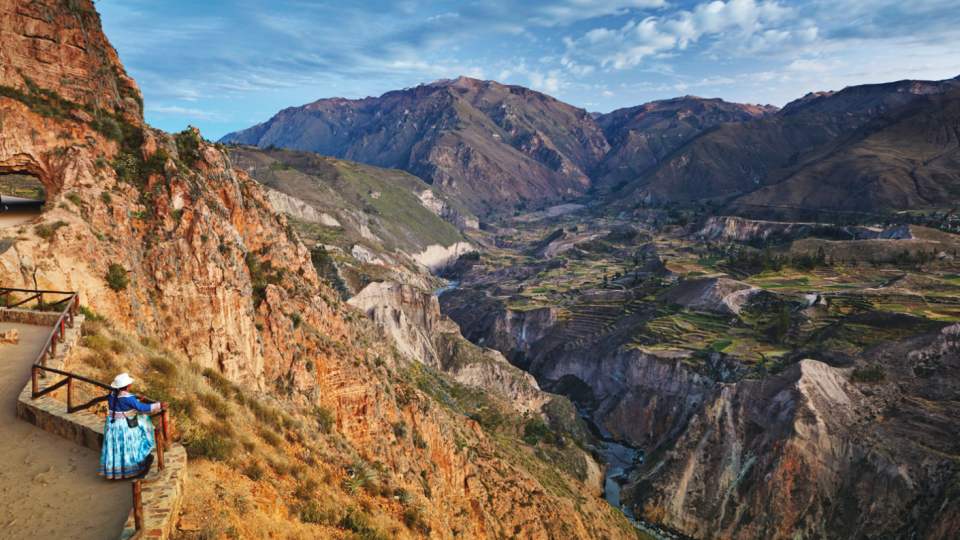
point(162, 490)
point(36, 318)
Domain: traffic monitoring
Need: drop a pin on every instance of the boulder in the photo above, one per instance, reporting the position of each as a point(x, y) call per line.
point(10, 336)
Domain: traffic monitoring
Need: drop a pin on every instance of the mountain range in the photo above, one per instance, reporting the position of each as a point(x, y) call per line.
point(497, 148)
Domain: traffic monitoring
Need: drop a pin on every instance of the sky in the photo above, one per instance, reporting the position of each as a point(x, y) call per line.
point(224, 65)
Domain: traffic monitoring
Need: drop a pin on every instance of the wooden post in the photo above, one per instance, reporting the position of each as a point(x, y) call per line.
point(163, 422)
point(62, 329)
point(137, 506)
point(40, 302)
point(34, 370)
point(159, 439)
point(69, 394)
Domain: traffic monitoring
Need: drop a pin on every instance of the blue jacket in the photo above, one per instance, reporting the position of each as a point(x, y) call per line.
point(126, 403)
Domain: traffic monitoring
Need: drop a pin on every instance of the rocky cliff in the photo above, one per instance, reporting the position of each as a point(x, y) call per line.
point(801, 453)
point(172, 245)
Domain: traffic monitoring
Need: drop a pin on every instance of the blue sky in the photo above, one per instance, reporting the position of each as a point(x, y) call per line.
point(224, 65)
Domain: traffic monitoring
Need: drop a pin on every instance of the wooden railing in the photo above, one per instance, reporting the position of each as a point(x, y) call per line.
point(39, 369)
point(162, 434)
point(68, 313)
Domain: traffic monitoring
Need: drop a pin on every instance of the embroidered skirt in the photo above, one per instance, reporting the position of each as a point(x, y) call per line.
point(125, 448)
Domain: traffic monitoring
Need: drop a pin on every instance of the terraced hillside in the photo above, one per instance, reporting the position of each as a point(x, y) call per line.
point(648, 324)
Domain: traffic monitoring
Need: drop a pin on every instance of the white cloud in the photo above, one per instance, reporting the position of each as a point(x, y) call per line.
point(607, 94)
point(182, 112)
point(738, 27)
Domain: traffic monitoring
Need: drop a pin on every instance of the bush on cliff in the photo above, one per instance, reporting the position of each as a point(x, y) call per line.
point(117, 277)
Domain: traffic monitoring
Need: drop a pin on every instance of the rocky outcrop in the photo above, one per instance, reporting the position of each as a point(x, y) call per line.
point(436, 257)
point(792, 449)
point(10, 337)
point(414, 321)
point(297, 209)
point(447, 212)
point(727, 228)
point(714, 295)
point(61, 47)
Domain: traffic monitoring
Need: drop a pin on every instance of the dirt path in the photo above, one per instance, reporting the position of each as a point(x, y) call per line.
point(49, 487)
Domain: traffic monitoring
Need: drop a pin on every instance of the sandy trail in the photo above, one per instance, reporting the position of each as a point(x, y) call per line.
point(49, 487)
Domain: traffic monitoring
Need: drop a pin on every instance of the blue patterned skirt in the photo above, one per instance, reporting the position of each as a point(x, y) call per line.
point(125, 448)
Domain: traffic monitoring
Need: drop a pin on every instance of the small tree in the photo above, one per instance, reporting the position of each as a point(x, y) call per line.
point(117, 277)
point(783, 322)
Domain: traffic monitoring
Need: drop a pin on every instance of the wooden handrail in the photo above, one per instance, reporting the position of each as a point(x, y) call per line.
point(11, 289)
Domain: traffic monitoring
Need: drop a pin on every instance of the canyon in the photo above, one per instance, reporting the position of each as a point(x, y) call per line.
point(470, 310)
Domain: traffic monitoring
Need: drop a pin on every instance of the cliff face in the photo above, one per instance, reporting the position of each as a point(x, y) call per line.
point(414, 320)
point(163, 237)
point(797, 453)
point(60, 46)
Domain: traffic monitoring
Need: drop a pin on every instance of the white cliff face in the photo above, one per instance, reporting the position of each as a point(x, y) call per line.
point(413, 319)
point(300, 210)
point(431, 202)
point(437, 257)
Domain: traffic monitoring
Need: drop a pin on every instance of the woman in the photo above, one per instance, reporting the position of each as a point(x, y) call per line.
point(127, 437)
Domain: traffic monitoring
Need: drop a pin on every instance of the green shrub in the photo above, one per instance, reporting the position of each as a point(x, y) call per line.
point(534, 430)
point(118, 347)
point(106, 197)
point(100, 360)
point(216, 405)
point(413, 519)
point(355, 520)
point(96, 342)
point(311, 512)
point(203, 441)
point(255, 471)
point(44, 232)
point(163, 366)
point(92, 316)
point(271, 437)
point(325, 418)
point(117, 277)
point(296, 319)
point(74, 198)
point(218, 382)
point(871, 374)
point(188, 146)
point(266, 414)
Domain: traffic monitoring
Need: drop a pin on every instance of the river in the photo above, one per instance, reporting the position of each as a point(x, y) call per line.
point(452, 285)
point(622, 459)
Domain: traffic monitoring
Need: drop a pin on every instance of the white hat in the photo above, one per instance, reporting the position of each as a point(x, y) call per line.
point(122, 381)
